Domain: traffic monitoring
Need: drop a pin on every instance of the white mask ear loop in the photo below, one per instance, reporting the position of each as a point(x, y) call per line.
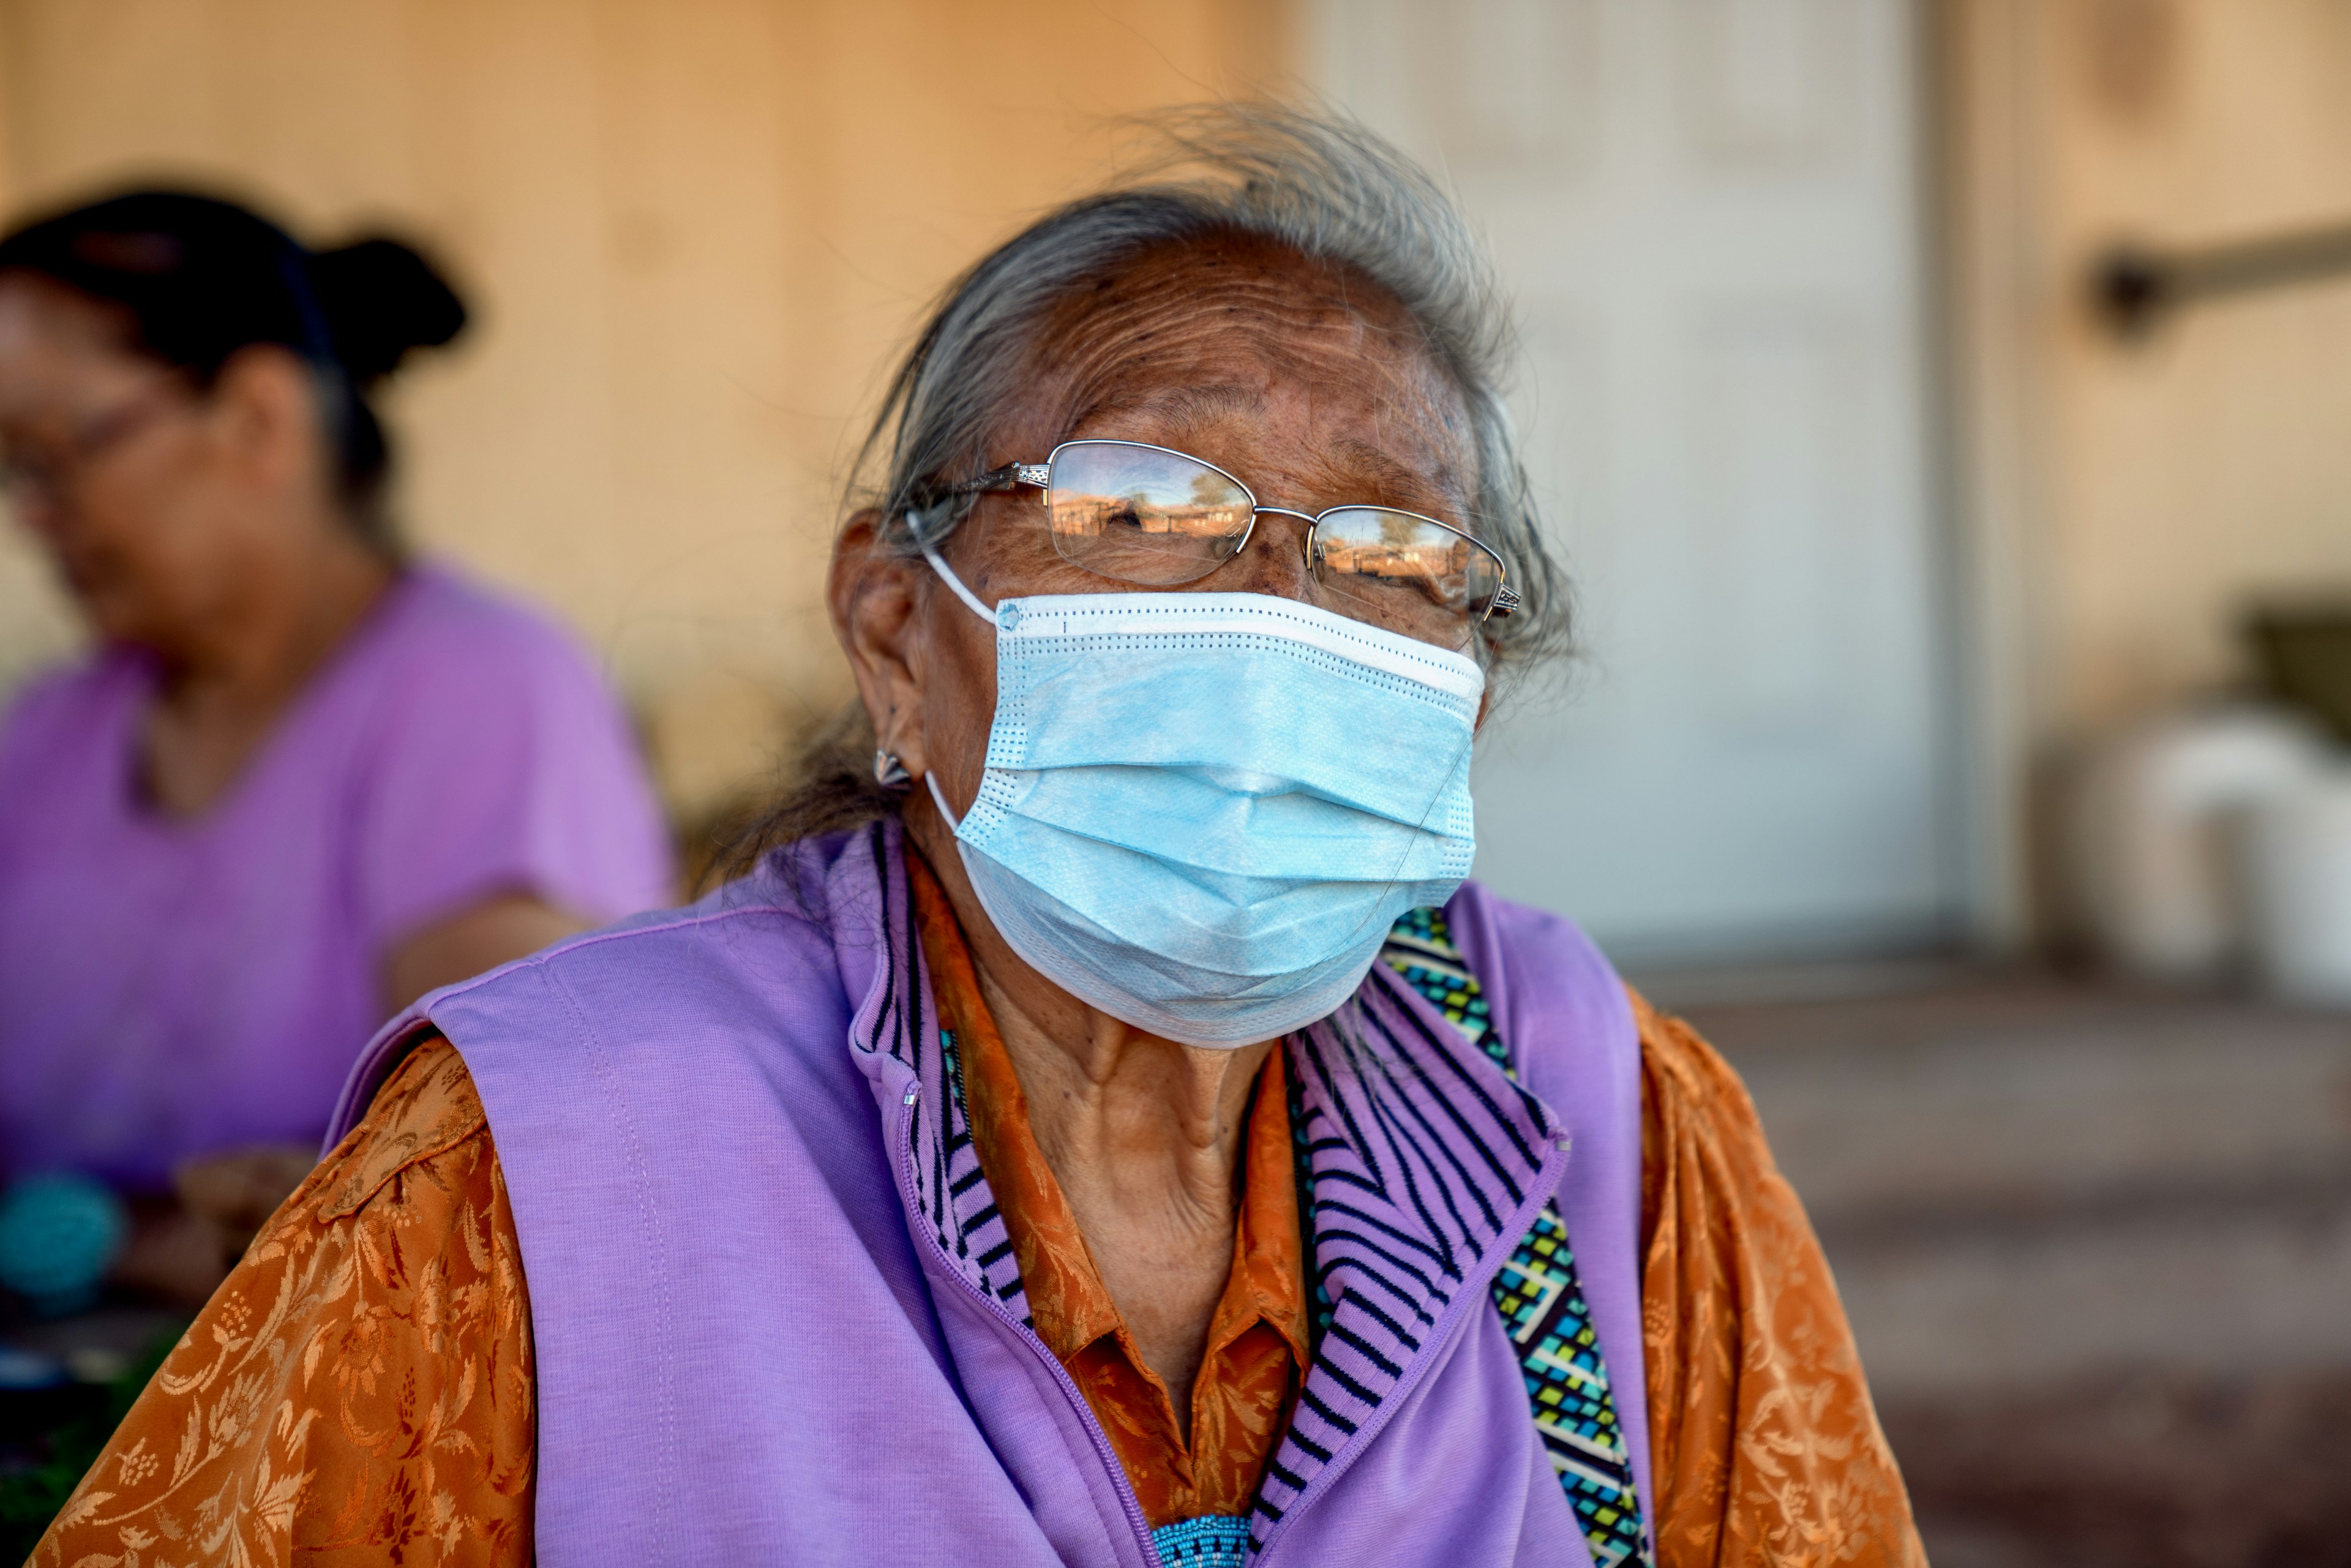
point(939, 799)
point(938, 796)
point(966, 595)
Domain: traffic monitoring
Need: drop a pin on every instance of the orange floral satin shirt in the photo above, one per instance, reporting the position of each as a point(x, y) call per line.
point(358, 1394)
point(1256, 1351)
point(358, 1391)
point(1763, 1445)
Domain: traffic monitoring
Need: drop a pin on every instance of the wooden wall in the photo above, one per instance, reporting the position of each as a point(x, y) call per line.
point(695, 232)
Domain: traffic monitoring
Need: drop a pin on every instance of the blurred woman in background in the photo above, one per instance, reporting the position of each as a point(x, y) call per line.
point(300, 780)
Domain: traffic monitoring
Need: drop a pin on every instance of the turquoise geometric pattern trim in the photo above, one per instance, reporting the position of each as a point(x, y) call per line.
point(954, 1068)
point(1211, 1540)
point(1420, 949)
point(1538, 1295)
point(1544, 1308)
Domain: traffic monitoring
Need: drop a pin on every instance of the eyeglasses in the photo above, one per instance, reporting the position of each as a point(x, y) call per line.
point(1157, 517)
point(52, 472)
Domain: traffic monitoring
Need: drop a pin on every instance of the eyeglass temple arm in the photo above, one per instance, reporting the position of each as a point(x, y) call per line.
point(1011, 476)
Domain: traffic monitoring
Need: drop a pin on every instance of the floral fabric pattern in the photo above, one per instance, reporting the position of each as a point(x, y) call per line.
point(360, 1390)
point(1764, 1446)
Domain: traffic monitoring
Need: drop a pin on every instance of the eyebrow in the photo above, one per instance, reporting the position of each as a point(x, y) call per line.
point(1371, 462)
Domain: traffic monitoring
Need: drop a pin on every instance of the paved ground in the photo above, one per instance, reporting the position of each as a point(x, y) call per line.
point(2096, 1243)
point(2135, 1470)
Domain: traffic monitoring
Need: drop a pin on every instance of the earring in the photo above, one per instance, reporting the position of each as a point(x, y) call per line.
point(889, 772)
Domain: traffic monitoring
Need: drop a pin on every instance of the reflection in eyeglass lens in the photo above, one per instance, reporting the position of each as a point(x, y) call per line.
point(1368, 549)
point(1144, 516)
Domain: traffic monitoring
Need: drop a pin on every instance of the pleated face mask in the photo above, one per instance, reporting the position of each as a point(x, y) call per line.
point(1202, 812)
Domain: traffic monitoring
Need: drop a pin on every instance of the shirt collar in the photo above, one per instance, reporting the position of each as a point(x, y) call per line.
point(1068, 1304)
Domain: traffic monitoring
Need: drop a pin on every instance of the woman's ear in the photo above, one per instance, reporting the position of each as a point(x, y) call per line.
point(267, 417)
point(872, 595)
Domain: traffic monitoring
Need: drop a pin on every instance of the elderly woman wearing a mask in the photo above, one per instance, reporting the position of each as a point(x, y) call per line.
point(1107, 1129)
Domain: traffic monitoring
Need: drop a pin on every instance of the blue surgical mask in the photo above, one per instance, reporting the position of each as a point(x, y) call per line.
point(1202, 812)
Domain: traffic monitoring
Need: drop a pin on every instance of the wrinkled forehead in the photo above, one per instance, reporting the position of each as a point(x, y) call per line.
point(1207, 332)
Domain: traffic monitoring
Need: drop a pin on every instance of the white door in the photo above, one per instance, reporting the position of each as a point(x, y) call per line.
point(1708, 212)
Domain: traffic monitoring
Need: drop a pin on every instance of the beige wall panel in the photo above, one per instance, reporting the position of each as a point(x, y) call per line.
point(695, 232)
point(2177, 479)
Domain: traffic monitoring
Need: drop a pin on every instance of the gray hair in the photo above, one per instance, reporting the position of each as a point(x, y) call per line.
point(1318, 184)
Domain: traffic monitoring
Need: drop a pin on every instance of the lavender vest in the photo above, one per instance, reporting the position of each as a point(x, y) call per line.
point(776, 1318)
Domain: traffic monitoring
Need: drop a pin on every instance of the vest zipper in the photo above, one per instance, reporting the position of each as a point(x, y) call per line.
point(1022, 1332)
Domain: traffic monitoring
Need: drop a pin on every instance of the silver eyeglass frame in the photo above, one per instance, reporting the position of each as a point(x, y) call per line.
point(1039, 475)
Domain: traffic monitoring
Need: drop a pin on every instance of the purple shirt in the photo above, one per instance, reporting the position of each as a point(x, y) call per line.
point(172, 988)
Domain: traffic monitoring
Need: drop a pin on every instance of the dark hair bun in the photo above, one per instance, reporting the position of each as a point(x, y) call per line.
point(382, 299)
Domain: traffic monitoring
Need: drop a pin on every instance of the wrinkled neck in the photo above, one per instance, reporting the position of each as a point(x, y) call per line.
point(1111, 1104)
